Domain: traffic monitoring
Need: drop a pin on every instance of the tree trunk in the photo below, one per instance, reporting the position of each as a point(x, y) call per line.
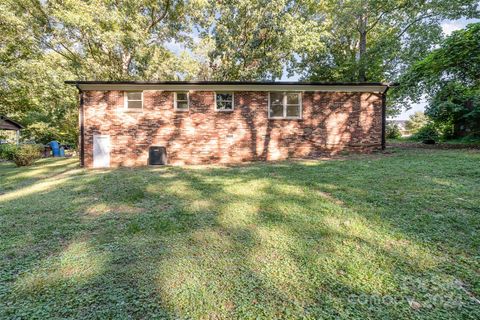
point(126, 61)
point(362, 49)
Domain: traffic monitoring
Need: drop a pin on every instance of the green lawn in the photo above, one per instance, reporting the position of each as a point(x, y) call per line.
point(382, 236)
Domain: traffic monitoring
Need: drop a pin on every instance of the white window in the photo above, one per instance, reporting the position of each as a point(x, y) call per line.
point(285, 105)
point(134, 100)
point(181, 101)
point(224, 101)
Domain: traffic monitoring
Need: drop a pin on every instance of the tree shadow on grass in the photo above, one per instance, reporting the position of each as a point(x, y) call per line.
point(257, 240)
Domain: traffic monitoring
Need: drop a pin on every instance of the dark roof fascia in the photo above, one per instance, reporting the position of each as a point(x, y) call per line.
point(74, 82)
point(12, 121)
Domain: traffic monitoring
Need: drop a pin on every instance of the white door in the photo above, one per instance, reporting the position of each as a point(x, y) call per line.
point(101, 151)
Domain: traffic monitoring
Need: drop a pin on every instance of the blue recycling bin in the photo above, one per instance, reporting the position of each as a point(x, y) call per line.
point(55, 148)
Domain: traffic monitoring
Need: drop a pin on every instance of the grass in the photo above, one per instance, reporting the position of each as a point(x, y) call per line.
point(465, 141)
point(380, 236)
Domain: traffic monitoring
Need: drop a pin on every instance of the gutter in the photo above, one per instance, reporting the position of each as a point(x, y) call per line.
point(384, 114)
point(374, 87)
point(81, 120)
point(274, 83)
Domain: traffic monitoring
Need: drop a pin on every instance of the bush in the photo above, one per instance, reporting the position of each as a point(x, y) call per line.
point(7, 151)
point(27, 154)
point(427, 132)
point(416, 122)
point(392, 131)
point(41, 132)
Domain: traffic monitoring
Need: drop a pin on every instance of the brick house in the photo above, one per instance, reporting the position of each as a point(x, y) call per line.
point(141, 123)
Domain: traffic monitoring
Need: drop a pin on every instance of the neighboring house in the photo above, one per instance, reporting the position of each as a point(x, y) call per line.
point(141, 123)
point(8, 125)
point(402, 125)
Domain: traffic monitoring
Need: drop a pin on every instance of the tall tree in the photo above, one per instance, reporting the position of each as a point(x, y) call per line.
point(44, 43)
point(47, 41)
point(106, 39)
point(449, 79)
point(375, 40)
point(253, 39)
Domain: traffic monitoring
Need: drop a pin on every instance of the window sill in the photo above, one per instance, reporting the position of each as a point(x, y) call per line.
point(133, 111)
point(180, 110)
point(223, 110)
point(285, 118)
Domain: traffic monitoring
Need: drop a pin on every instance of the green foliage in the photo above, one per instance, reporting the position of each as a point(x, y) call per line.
point(428, 132)
point(7, 151)
point(252, 39)
point(456, 107)
point(44, 43)
point(325, 41)
point(107, 40)
point(21, 155)
point(392, 131)
point(42, 132)
point(33, 92)
point(27, 154)
point(286, 240)
point(373, 39)
point(467, 140)
point(448, 77)
point(416, 121)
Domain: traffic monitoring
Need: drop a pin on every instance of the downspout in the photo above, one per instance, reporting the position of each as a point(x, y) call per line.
point(17, 137)
point(81, 120)
point(384, 117)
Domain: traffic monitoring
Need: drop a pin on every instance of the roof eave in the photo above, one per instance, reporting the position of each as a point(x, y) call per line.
point(232, 86)
point(13, 122)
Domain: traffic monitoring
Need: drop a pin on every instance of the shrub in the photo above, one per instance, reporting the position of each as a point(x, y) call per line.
point(27, 154)
point(7, 151)
point(41, 132)
point(427, 132)
point(416, 122)
point(392, 131)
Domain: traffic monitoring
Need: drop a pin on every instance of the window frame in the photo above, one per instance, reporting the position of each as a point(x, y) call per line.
point(175, 99)
point(285, 105)
point(215, 101)
point(125, 101)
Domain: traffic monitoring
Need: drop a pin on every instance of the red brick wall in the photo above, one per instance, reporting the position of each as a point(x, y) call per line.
point(331, 122)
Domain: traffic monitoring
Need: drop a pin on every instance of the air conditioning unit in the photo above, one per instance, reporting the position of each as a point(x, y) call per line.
point(157, 156)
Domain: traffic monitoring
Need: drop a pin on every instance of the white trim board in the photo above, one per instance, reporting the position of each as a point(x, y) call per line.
point(125, 101)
